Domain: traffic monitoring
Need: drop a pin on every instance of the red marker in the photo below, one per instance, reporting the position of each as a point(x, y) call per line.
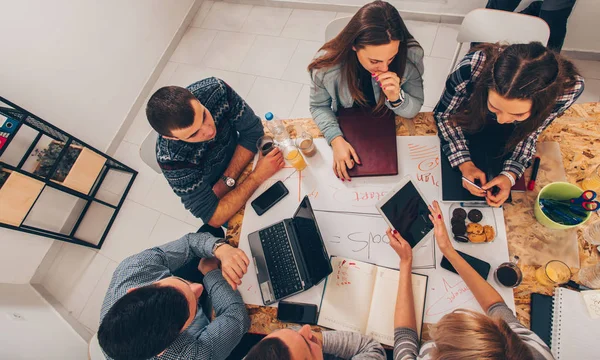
point(534, 172)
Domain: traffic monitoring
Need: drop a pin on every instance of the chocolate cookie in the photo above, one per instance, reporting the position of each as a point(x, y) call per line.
point(459, 213)
point(461, 238)
point(475, 215)
point(474, 228)
point(477, 238)
point(459, 228)
point(489, 232)
point(455, 221)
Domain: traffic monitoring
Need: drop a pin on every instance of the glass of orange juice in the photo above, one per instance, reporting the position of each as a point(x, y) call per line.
point(554, 273)
point(592, 182)
point(292, 154)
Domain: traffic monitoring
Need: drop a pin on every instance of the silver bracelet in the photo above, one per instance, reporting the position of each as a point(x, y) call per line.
point(509, 176)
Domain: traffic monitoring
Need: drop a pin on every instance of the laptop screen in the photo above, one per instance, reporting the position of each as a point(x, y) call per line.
point(311, 242)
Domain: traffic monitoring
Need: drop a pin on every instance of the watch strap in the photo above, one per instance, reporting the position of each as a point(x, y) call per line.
point(218, 244)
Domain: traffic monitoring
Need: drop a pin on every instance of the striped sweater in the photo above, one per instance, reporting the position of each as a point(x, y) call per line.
point(406, 345)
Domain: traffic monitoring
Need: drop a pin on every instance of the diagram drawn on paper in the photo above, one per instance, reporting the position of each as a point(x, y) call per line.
point(453, 297)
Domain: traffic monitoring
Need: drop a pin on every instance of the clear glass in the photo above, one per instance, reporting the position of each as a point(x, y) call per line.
point(294, 156)
point(265, 144)
point(554, 273)
point(592, 233)
point(305, 142)
point(590, 276)
point(508, 274)
point(592, 182)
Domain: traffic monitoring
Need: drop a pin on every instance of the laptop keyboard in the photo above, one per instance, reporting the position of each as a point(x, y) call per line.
point(285, 279)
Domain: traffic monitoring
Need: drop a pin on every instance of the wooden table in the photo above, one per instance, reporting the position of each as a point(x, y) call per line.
point(577, 131)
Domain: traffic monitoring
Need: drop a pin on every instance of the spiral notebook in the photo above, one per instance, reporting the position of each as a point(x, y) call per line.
point(573, 331)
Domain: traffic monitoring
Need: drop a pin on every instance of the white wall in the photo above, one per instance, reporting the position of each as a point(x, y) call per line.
point(81, 66)
point(32, 329)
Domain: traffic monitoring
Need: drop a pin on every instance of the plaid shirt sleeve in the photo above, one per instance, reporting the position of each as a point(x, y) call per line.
point(520, 158)
point(458, 89)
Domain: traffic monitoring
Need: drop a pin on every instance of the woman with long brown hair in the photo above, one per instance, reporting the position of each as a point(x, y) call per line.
point(498, 100)
point(461, 334)
point(374, 62)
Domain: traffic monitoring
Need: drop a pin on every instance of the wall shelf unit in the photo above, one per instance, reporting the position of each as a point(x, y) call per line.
point(55, 185)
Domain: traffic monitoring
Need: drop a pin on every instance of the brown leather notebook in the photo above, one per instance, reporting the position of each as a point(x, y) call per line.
point(373, 137)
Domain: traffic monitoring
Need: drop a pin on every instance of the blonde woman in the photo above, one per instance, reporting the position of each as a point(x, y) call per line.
point(462, 334)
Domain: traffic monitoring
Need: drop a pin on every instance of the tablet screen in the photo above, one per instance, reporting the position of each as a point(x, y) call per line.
point(408, 213)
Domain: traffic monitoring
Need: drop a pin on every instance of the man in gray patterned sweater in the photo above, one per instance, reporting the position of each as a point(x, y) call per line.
point(207, 137)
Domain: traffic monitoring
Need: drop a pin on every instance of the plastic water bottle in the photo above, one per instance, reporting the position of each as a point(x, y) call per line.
point(277, 127)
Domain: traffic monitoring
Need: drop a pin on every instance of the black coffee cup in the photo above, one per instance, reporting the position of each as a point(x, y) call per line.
point(265, 145)
point(508, 274)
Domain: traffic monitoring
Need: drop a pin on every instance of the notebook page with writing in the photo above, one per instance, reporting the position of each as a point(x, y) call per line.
point(381, 317)
point(592, 301)
point(347, 296)
point(574, 332)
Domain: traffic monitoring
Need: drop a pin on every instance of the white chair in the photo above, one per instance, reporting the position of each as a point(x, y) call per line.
point(486, 25)
point(94, 350)
point(335, 27)
point(148, 151)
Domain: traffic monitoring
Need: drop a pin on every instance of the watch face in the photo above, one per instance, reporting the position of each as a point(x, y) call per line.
point(230, 182)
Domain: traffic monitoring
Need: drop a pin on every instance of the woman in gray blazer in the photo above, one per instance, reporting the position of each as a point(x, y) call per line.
point(374, 63)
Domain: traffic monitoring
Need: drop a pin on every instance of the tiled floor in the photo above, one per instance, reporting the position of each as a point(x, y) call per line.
point(262, 53)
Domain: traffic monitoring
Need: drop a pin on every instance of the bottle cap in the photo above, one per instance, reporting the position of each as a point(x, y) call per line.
point(269, 116)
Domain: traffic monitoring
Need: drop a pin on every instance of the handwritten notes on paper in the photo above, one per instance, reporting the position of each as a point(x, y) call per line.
point(592, 302)
point(418, 157)
point(363, 237)
point(352, 227)
point(451, 297)
point(428, 158)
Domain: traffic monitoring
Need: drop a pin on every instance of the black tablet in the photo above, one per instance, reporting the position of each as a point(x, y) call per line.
point(405, 209)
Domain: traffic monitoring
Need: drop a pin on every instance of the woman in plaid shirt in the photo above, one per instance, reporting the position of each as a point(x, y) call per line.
point(498, 100)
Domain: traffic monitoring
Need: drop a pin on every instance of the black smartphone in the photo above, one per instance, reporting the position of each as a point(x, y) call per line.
point(297, 313)
point(482, 267)
point(269, 198)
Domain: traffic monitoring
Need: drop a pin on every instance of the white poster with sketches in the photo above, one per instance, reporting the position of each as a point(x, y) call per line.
point(351, 226)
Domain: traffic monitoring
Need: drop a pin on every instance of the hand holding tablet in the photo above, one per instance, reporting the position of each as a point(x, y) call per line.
point(404, 209)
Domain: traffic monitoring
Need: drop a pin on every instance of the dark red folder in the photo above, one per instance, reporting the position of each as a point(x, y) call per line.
point(373, 136)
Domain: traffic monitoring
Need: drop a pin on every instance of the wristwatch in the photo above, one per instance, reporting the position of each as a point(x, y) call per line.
point(218, 244)
point(230, 182)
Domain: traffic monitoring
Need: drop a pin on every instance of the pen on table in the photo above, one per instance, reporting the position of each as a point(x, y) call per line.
point(472, 183)
point(534, 172)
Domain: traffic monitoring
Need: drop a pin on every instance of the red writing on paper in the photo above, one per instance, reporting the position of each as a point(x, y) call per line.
point(368, 195)
point(429, 160)
point(452, 298)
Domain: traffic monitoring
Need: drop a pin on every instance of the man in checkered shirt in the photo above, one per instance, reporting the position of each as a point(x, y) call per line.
point(150, 314)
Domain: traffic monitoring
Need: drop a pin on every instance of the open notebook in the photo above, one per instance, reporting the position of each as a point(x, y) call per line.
point(575, 333)
point(361, 297)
